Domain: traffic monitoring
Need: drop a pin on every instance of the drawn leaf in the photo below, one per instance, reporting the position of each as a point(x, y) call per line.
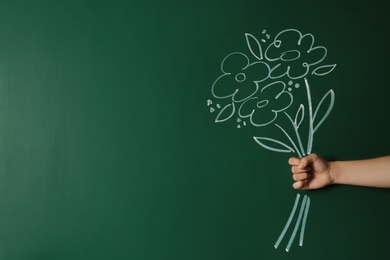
point(254, 46)
point(226, 113)
point(323, 70)
point(273, 145)
point(328, 99)
point(299, 116)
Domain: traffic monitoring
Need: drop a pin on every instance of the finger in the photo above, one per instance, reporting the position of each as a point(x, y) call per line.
point(300, 177)
point(300, 185)
point(294, 161)
point(297, 170)
point(310, 159)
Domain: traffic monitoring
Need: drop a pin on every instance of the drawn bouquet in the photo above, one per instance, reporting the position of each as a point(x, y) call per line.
point(259, 88)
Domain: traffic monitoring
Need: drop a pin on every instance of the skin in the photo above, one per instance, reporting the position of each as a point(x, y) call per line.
point(314, 172)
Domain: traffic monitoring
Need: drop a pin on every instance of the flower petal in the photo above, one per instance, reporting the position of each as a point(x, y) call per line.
point(257, 71)
point(245, 90)
point(224, 86)
point(247, 108)
point(258, 112)
point(279, 98)
point(234, 62)
point(282, 102)
point(262, 117)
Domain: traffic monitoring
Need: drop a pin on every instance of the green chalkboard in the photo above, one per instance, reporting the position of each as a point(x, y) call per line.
point(128, 129)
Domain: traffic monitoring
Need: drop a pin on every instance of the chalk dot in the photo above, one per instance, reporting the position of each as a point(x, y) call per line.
point(264, 31)
point(297, 85)
point(244, 123)
point(267, 35)
point(290, 83)
point(212, 110)
point(289, 89)
point(218, 106)
point(238, 126)
point(238, 120)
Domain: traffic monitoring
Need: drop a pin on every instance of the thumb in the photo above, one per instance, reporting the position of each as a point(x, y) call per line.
point(305, 161)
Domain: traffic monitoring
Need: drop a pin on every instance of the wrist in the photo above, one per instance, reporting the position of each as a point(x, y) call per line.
point(333, 172)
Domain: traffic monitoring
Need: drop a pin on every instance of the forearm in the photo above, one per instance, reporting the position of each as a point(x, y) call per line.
point(371, 172)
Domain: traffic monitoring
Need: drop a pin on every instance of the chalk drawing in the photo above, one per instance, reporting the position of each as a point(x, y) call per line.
point(257, 87)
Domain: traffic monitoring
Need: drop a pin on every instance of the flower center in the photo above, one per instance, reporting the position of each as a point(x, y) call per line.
point(240, 77)
point(262, 103)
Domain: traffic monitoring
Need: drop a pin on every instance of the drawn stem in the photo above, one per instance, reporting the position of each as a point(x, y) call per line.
point(304, 221)
point(311, 131)
point(288, 221)
point(300, 142)
point(291, 141)
point(297, 224)
point(296, 133)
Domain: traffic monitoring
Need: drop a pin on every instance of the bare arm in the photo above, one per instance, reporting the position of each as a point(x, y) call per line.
point(372, 172)
point(314, 172)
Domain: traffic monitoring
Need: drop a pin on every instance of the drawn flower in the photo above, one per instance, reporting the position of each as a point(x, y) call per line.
point(290, 55)
point(296, 55)
point(263, 108)
point(240, 78)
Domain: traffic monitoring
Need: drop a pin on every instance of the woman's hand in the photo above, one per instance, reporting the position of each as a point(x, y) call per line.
point(311, 172)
